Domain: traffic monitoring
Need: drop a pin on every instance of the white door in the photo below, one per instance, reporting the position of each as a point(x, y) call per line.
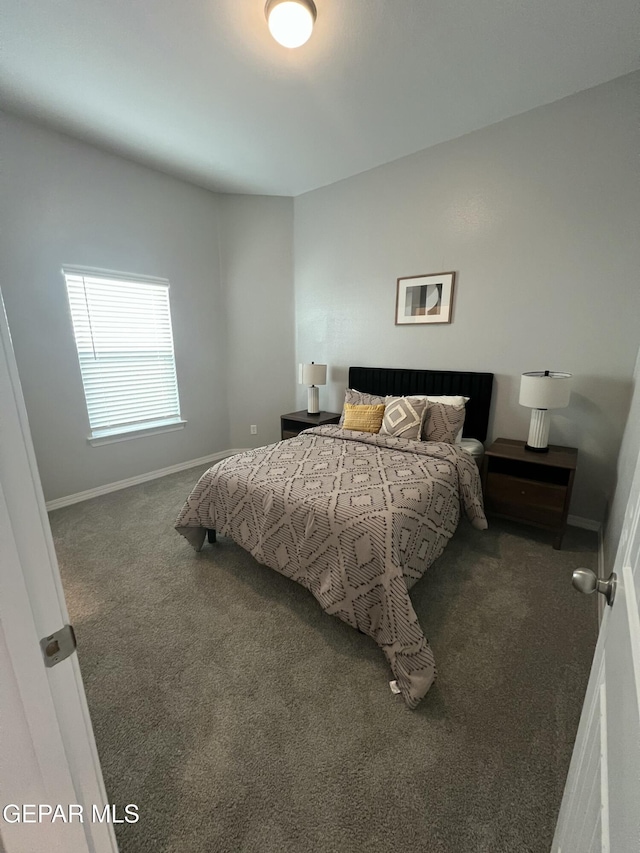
point(47, 750)
point(601, 806)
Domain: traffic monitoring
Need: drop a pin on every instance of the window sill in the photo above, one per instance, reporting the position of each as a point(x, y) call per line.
point(111, 436)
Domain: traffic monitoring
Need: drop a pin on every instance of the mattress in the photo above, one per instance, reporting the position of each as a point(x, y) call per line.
point(474, 447)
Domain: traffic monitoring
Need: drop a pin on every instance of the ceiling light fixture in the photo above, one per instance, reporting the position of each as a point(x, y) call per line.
point(290, 21)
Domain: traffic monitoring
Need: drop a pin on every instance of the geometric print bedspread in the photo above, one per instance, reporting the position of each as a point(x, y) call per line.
point(354, 517)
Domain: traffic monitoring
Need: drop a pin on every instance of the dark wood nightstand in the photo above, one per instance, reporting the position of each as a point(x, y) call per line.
point(532, 487)
point(295, 422)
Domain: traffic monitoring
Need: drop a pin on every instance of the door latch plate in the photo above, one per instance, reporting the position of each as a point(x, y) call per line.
point(58, 646)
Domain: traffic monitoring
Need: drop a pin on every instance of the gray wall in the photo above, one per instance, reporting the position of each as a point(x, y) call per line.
point(256, 246)
point(538, 215)
point(64, 202)
point(625, 470)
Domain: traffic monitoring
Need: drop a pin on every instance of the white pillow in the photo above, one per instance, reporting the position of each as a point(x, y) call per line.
point(449, 399)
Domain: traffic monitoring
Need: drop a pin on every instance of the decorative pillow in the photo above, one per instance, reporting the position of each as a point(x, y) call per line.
point(363, 418)
point(443, 422)
point(404, 417)
point(359, 398)
point(449, 400)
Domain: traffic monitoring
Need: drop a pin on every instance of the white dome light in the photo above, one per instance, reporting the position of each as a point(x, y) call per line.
point(290, 21)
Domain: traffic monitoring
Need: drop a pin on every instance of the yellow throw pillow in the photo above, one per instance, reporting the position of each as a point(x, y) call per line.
point(363, 418)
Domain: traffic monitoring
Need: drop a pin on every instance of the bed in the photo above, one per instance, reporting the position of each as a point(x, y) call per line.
point(355, 517)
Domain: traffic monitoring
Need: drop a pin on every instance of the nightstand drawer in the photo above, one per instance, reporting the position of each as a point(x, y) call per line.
point(287, 433)
point(532, 487)
point(525, 499)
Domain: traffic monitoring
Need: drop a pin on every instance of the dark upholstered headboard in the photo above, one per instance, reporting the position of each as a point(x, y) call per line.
point(401, 383)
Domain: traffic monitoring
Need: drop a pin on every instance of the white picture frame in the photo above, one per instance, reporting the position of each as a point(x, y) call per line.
point(424, 299)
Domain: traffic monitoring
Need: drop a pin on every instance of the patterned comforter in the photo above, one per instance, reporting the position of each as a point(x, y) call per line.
point(356, 518)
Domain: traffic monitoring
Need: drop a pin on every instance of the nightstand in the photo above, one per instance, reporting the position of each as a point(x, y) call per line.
point(295, 422)
point(531, 487)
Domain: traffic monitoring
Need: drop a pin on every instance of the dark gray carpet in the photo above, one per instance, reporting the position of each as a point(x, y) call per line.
point(240, 718)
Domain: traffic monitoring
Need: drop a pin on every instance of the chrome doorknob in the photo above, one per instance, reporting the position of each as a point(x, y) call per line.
point(584, 580)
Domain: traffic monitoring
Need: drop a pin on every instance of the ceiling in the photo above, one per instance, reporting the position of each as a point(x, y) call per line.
point(199, 89)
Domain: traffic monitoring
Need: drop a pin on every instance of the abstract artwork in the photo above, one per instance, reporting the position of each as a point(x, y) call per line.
point(424, 298)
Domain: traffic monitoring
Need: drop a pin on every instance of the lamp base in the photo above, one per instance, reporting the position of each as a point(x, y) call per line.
point(538, 441)
point(313, 400)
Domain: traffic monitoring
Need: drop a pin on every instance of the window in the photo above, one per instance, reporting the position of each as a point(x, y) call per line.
point(122, 327)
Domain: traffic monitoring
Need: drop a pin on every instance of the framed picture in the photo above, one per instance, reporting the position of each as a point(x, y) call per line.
point(425, 299)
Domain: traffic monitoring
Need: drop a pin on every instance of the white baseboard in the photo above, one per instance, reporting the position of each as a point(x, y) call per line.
point(58, 503)
point(584, 523)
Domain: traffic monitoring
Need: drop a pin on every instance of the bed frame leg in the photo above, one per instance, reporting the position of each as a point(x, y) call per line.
point(211, 536)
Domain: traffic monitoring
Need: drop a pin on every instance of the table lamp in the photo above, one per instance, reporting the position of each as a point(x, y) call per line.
point(312, 375)
point(540, 391)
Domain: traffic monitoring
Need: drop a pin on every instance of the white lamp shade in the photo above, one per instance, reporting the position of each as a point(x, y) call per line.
point(545, 390)
point(314, 374)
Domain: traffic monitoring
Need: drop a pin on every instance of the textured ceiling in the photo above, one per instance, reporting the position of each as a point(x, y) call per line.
point(198, 88)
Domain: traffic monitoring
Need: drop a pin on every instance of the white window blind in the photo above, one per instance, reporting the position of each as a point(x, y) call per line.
point(122, 328)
